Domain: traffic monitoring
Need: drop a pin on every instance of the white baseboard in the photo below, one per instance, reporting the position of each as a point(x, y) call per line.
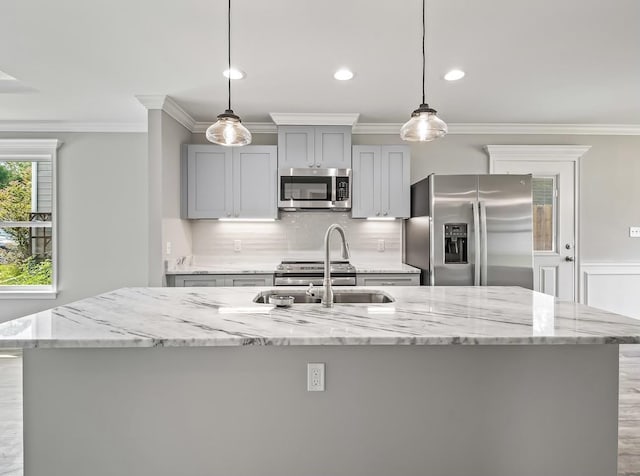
point(613, 286)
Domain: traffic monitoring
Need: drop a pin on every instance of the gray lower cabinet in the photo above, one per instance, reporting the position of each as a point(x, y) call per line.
point(249, 280)
point(221, 182)
point(195, 280)
point(396, 279)
point(381, 181)
point(217, 280)
point(314, 146)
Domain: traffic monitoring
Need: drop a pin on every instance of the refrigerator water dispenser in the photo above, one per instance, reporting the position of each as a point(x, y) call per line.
point(455, 243)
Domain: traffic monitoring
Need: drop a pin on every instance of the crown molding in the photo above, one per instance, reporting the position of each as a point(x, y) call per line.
point(513, 128)
point(541, 129)
point(47, 147)
point(390, 128)
point(528, 152)
point(66, 126)
point(167, 104)
point(314, 119)
point(254, 127)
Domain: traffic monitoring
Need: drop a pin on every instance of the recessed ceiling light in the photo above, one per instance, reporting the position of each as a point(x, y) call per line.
point(235, 73)
point(454, 75)
point(343, 75)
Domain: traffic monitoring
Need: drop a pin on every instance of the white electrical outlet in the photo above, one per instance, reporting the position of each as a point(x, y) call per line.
point(634, 231)
point(237, 245)
point(315, 377)
point(168, 247)
point(380, 245)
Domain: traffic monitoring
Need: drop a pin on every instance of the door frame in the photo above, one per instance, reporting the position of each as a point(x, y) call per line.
point(549, 153)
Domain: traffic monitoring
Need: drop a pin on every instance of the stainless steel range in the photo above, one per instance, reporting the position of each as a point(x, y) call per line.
point(303, 273)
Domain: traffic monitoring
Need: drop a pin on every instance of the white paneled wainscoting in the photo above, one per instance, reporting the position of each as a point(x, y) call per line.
point(614, 287)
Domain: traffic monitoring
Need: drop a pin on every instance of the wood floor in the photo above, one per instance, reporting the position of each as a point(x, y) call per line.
point(629, 414)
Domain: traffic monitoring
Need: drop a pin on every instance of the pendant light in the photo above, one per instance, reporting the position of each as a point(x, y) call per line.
point(228, 129)
point(424, 125)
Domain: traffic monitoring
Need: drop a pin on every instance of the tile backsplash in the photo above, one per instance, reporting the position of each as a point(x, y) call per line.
point(295, 235)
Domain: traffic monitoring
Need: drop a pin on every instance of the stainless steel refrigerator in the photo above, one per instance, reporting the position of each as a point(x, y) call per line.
point(471, 230)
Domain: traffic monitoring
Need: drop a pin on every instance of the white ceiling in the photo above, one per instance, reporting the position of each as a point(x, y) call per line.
point(533, 61)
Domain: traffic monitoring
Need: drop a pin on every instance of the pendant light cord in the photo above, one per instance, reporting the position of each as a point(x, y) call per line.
point(423, 49)
point(229, 50)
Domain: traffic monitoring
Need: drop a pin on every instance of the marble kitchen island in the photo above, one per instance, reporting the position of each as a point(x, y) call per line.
point(202, 381)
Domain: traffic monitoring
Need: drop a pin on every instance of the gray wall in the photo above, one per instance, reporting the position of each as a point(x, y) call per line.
point(102, 223)
point(174, 229)
point(165, 137)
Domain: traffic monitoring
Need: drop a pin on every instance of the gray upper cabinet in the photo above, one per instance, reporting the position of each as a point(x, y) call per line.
point(314, 146)
point(366, 181)
point(381, 181)
point(333, 147)
point(208, 172)
point(296, 146)
point(255, 176)
point(222, 182)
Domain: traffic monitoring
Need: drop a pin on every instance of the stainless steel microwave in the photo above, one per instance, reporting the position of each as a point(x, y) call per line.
point(314, 188)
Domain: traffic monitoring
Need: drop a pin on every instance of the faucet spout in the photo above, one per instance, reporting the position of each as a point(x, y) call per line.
point(327, 295)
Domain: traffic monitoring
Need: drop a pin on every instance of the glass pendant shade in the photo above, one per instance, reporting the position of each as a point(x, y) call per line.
point(424, 126)
point(228, 130)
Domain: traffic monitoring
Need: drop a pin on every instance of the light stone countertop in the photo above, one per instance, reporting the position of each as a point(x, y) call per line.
point(225, 268)
point(270, 268)
point(199, 317)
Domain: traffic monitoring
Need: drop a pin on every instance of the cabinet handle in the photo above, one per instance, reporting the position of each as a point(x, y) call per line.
point(228, 214)
point(385, 213)
point(318, 165)
point(310, 165)
point(377, 214)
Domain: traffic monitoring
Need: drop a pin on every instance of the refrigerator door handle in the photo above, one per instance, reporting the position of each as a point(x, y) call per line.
point(483, 243)
point(476, 244)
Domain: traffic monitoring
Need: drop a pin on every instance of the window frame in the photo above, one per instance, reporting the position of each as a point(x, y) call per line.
point(35, 150)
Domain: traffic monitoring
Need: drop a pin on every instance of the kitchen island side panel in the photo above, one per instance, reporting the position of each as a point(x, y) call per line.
point(244, 411)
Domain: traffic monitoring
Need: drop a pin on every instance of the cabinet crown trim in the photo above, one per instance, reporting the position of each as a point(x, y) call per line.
point(314, 119)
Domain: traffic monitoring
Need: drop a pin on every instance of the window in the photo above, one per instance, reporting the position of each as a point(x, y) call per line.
point(28, 265)
point(544, 213)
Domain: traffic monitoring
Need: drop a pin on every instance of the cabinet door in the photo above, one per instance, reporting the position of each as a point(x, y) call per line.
point(208, 190)
point(396, 186)
point(255, 170)
point(366, 181)
point(296, 146)
point(333, 147)
point(388, 279)
point(249, 280)
point(195, 280)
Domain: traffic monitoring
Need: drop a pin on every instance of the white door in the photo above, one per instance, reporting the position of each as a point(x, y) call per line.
point(554, 212)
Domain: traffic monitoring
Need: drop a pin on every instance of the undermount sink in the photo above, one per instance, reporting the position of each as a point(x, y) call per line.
point(339, 297)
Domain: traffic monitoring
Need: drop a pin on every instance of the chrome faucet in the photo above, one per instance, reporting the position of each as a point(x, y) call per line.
point(327, 295)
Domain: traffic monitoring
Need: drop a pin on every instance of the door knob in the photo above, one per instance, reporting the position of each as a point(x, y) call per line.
point(568, 258)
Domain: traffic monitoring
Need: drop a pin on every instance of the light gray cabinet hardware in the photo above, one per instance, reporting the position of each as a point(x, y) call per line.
point(314, 146)
point(221, 182)
point(381, 181)
point(395, 279)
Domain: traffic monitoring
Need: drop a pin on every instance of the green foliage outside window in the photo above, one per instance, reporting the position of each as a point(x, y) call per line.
point(17, 265)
